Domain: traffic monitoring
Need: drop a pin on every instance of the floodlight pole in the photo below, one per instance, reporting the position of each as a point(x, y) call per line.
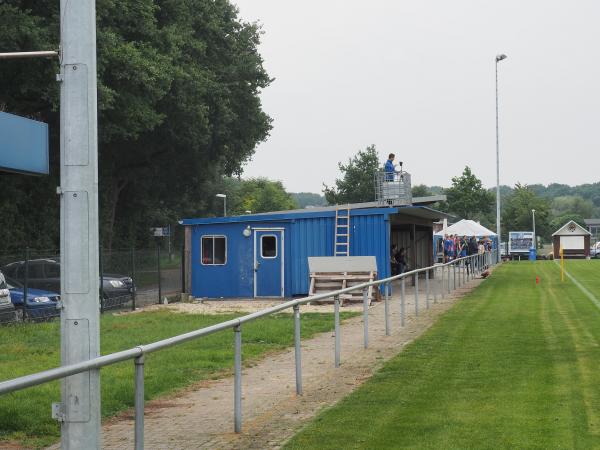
point(80, 335)
point(498, 59)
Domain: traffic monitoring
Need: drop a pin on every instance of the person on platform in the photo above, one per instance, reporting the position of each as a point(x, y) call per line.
point(390, 168)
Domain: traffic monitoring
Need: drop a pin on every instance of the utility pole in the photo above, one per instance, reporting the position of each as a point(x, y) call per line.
point(80, 334)
point(498, 228)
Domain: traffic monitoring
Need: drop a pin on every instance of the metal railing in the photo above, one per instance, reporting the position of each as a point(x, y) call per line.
point(393, 188)
point(454, 274)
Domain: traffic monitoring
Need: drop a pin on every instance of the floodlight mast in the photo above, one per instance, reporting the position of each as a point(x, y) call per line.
point(499, 58)
point(80, 334)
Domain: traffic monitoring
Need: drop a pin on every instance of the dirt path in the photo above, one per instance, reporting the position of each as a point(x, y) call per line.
point(202, 416)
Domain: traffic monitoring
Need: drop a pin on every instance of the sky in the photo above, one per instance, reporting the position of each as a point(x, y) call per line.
point(417, 78)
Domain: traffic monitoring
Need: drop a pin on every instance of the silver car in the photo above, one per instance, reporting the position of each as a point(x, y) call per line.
point(7, 309)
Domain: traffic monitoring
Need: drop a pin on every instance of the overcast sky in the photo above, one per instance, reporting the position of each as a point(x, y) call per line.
point(417, 78)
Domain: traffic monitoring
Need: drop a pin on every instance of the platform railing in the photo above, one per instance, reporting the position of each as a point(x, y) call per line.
point(393, 188)
point(453, 274)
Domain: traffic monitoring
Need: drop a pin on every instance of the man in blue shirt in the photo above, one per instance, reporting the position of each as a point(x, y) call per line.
point(390, 168)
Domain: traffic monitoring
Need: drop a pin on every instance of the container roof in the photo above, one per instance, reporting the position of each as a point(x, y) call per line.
point(368, 208)
point(592, 222)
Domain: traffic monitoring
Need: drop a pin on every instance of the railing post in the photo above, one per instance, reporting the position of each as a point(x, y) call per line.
point(158, 270)
point(101, 270)
point(139, 402)
point(336, 308)
point(133, 294)
point(388, 293)
point(297, 350)
point(449, 268)
point(237, 388)
point(402, 305)
point(366, 317)
point(26, 279)
point(454, 276)
point(427, 288)
point(442, 285)
point(417, 294)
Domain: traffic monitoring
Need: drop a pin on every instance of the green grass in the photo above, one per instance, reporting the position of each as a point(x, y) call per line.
point(512, 365)
point(25, 415)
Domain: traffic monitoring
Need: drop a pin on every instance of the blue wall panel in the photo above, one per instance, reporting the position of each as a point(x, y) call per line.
point(304, 237)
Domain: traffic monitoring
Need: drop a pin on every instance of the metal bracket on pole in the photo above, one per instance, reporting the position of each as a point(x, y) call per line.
point(58, 411)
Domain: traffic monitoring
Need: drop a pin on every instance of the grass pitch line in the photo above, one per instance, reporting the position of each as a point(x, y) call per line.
point(582, 288)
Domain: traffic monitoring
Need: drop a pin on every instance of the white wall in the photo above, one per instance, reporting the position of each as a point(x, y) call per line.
point(572, 242)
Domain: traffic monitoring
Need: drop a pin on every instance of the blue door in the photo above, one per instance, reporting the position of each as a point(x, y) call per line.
point(268, 263)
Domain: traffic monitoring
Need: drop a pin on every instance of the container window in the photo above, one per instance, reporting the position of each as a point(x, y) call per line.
point(268, 245)
point(214, 250)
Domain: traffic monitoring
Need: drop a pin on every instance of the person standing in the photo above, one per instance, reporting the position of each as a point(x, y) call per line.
point(401, 258)
point(390, 168)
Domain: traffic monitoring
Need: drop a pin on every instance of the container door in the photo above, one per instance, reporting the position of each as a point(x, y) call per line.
point(268, 263)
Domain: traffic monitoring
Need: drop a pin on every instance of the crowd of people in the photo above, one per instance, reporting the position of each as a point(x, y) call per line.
point(455, 246)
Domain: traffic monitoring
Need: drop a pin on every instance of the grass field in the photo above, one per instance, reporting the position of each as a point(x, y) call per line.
point(512, 365)
point(25, 415)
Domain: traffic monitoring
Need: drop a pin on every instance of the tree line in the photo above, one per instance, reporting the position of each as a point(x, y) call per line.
point(178, 110)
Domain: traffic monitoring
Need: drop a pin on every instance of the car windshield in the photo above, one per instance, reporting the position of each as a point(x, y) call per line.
point(13, 284)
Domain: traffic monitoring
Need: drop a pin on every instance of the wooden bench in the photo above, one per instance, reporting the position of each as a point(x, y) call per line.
point(324, 282)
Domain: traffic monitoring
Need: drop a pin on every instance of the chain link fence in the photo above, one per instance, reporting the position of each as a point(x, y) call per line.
point(129, 279)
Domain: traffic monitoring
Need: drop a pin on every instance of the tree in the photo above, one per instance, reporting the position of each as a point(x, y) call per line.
point(420, 190)
point(572, 204)
point(178, 102)
point(558, 221)
point(257, 195)
point(517, 215)
point(357, 183)
point(305, 199)
point(467, 198)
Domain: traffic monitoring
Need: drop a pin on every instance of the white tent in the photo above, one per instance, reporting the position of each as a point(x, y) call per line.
point(466, 228)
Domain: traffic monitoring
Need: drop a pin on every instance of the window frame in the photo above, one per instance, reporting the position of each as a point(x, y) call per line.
point(212, 236)
point(262, 236)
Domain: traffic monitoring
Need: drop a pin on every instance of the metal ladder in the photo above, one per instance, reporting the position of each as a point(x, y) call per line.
point(342, 232)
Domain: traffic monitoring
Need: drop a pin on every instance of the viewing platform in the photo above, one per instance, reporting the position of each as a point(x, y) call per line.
point(393, 188)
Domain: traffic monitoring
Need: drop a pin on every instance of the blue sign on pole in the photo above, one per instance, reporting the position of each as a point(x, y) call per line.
point(23, 145)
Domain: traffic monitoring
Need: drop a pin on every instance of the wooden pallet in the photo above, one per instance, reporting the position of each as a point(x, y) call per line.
point(323, 282)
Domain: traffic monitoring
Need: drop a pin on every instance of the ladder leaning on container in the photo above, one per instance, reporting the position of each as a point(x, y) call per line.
point(341, 244)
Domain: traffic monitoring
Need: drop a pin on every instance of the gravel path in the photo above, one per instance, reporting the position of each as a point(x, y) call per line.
point(202, 416)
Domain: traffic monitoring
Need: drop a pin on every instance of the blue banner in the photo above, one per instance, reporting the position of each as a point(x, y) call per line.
point(23, 145)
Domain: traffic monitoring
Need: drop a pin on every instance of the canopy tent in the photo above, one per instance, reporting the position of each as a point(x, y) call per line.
point(466, 228)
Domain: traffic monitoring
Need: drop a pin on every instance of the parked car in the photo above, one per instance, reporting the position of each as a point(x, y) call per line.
point(40, 305)
point(44, 274)
point(595, 250)
point(7, 309)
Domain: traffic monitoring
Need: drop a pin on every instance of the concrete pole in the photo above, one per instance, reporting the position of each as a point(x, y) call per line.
point(80, 335)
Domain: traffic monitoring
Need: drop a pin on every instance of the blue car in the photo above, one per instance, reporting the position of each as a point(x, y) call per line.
point(40, 305)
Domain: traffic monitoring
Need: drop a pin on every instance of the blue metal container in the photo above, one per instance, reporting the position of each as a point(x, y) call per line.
point(266, 249)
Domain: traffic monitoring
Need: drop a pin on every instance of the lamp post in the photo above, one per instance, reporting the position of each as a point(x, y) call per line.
point(498, 59)
point(224, 197)
point(534, 237)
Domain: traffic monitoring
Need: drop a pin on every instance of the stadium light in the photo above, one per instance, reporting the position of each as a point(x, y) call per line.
point(499, 58)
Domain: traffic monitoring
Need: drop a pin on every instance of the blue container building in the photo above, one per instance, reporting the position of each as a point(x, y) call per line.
point(266, 255)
